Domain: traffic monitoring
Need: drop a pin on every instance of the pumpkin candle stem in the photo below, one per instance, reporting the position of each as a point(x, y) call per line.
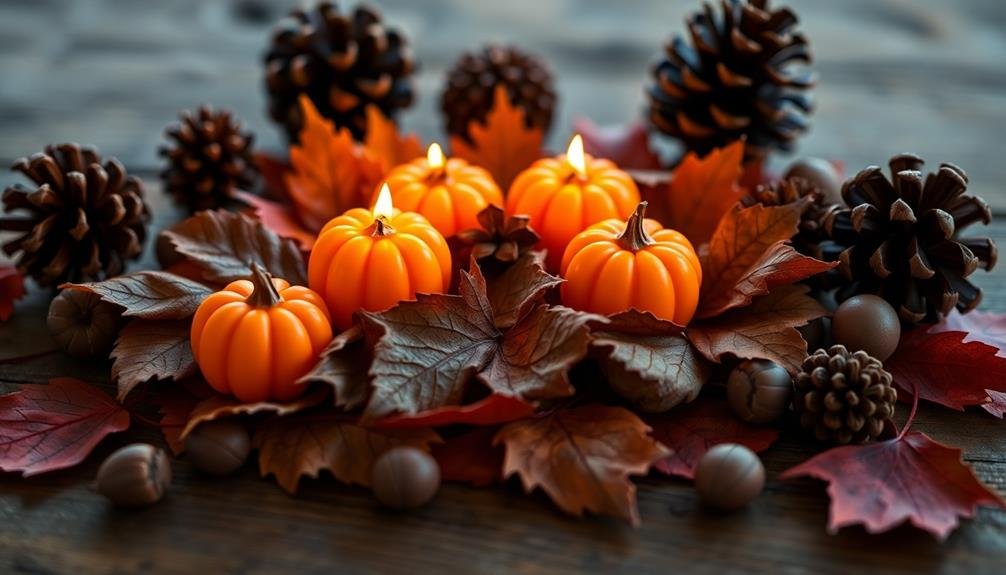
point(635, 238)
point(264, 293)
point(379, 228)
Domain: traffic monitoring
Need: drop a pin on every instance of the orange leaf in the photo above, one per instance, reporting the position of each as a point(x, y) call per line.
point(699, 193)
point(504, 145)
point(582, 458)
point(385, 143)
point(330, 171)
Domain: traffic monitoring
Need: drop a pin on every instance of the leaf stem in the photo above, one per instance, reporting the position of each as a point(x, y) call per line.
point(911, 414)
point(634, 237)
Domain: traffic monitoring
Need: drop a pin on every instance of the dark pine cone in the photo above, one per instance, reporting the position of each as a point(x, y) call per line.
point(343, 62)
point(471, 88)
point(905, 241)
point(502, 238)
point(736, 78)
point(810, 239)
point(83, 219)
point(208, 158)
point(843, 397)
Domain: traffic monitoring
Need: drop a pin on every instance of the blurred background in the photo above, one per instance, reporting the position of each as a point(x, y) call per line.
point(926, 76)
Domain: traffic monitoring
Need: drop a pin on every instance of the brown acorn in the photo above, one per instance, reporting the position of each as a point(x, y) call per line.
point(82, 324)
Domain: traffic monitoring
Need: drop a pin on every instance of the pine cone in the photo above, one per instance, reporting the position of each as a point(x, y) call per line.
point(343, 62)
point(471, 88)
point(843, 397)
point(83, 221)
point(502, 238)
point(208, 158)
point(810, 234)
point(905, 241)
point(737, 78)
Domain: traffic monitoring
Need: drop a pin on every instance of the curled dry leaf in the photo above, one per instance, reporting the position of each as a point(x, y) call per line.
point(518, 288)
point(582, 458)
point(343, 366)
point(626, 145)
point(149, 294)
point(220, 406)
point(910, 478)
point(304, 444)
point(54, 426)
point(148, 349)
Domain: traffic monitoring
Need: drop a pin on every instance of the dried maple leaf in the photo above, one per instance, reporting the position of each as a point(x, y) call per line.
point(658, 366)
point(504, 145)
point(386, 143)
point(945, 370)
point(763, 330)
point(148, 349)
point(11, 290)
point(582, 458)
point(223, 246)
point(330, 172)
point(518, 288)
point(149, 294)
point(305, 444)
point(54, 426)
point(997, 405)
point(692, 429)
point(492, 410)
point(220, 406)
point(628, 146)
point(343, 366)
point(426, 351)
point(910, 478)
point(985, 327)
point(699, 193)
point(470, 457)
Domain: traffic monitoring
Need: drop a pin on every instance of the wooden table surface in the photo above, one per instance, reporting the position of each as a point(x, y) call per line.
point(896, 75)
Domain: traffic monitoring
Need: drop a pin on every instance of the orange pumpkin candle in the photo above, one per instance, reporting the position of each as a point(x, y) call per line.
point(373, 260)
point(568, 193)
point(449, 193)
point(255, 338)
point(614, 266)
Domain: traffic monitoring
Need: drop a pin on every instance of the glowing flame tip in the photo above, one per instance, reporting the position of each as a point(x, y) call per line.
point(435, 156)
point(575, 156)
point(383, 206)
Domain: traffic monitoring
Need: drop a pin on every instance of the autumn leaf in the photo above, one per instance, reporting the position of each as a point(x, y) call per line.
point(223, 406)
point(997, 405)
point(386, 143)
point(343, 366)
point(945, 370)
point(519, 287)
point(280, 218)
point(272, 171)
point(582, 458)
point(628, 146)
point(491, 410)
point(470, 457)
point(699, 193)
point(985, 327)
point(11, 290)
point(690, 430)
point(174, 410)
point(655, 354)
point(305, 444)
point(149, 349)
point(224, 245)
point(504, 145)
point(910, 478)
point(55, 426)
point(149, 294)
point(763, 330)
point(426, 351)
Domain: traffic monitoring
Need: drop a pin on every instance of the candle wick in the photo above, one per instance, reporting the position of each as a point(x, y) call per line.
point(380, 228)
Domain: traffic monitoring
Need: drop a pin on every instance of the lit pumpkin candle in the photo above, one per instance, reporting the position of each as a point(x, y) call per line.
point(373, 259)
point(450, 193)
point(616, 265)
point(568, 193)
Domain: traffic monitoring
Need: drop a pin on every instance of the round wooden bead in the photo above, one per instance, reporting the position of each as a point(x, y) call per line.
point(218, 447)
point(729, 476)
point(135, 476)
point(759, 391)
point(867, 323)
point(822, 174)
point(405, 478)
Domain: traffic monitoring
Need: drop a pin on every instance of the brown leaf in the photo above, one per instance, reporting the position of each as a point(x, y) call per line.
point(386, 143)
point(149, 349)
point(224, 245)
point(305, 444)
point(504, 145)
point(221, 406)
point(280, 218)
point(763, 330)
point(149, 294)
point(582, 458)
point(521, 285)
point(470, 457)
point(343, 365)
point(175, 409)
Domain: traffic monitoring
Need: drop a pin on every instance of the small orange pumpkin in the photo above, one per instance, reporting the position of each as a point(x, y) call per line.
point(613, 266)
point(255, 338)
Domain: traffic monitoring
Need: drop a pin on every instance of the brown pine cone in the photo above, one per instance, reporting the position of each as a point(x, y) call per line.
point(82, 219)
point(843, 397)
point(209, 157)
point(471, 88)
point(743, 74)
point(502, 238)
point(342, 61)
point(904, 239)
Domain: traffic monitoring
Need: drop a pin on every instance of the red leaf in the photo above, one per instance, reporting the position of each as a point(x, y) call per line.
point(49, 427)
point(911, 478)
point(985, 327)
point(492, 410)
point(997, 406)
point(470, 457)
point(280, 218)
point(626, 145)
point(945, 370)
point(690, 430)
point(11, 290)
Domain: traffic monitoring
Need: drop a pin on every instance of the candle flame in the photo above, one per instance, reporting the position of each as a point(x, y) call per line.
point(435, 156)
point(383, 206)
point(575, 156)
